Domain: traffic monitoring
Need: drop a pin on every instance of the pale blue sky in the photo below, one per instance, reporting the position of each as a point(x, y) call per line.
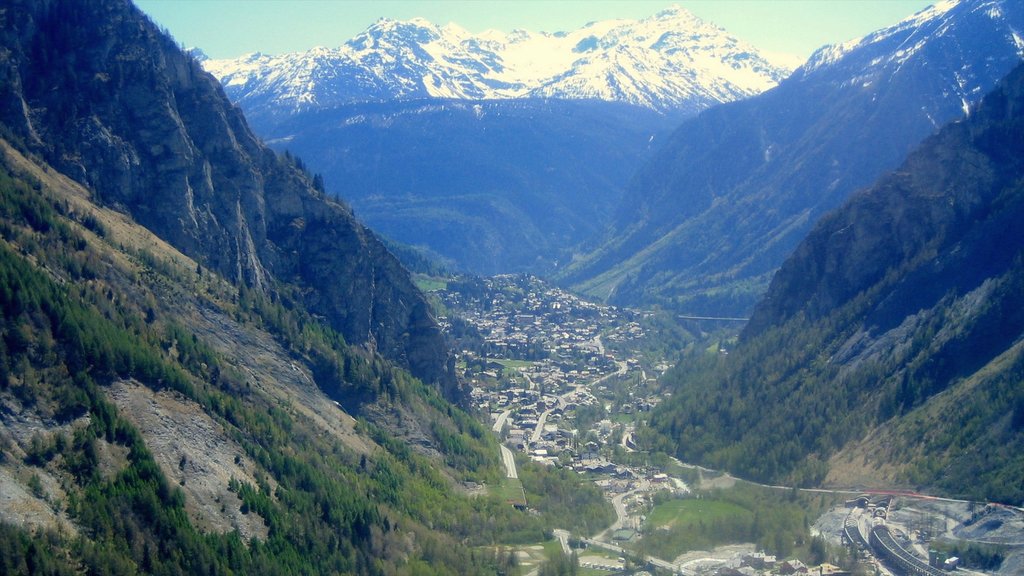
point(229, 28)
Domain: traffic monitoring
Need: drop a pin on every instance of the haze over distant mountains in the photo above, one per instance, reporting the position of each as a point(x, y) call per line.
point(491, 152)
point(706, 223)
point(671, 61)
point(518, 185)
point(489, 186)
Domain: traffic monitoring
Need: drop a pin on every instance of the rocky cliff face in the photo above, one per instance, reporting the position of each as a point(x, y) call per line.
point(103, 95)
point(942, 223)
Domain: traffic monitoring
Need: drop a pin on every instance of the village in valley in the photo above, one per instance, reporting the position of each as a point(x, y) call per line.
point(565, 382)
point(556, 373)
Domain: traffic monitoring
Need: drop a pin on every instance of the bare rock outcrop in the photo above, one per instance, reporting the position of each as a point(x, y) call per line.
point(153, 136)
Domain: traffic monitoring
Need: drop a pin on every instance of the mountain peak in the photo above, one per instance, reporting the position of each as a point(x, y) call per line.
point(901, 41)
point(199, 178)
point(198, 54)
point(684, 236)
point(414, 30)
point(674, 12)
point(659, 62)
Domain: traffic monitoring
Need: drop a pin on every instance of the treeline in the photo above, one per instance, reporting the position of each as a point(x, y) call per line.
point(563, 501)
point(558, 564)
point(972, 554)
point(64, 337)
point(899, 316)
point(354, 378)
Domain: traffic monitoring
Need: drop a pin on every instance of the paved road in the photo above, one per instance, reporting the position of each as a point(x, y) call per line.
point(509, 459)
point(500, 421)
point(563, 538)
point(620, 509)
point(622, 367)
point(894, 554)
point(627, 435)
point(563, 400)
point(535, 437)
point(663, 564)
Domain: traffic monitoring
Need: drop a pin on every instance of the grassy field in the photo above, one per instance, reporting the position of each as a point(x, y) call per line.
point(514, 364)
point(532, 556)
point(775, 520)
point(510, 490)
point(429, 283)
point(689, 512)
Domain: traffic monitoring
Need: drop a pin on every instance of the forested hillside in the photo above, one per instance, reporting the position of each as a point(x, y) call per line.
point(99, 316)
point(888, 346)
point(99, 93)
point(205, 365)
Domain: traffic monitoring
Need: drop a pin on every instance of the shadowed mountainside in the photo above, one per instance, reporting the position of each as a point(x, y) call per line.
point(204, 363)
point(488, 187)
point(704, 226)
point(888, 347)
point(153, 135)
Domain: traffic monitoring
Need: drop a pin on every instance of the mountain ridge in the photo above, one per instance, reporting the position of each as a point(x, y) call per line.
point(492, 186)
point(706, 222)
point(897, 317)
point(673, 61)
point(190, 169)
point(508, 190)
point(181, 397)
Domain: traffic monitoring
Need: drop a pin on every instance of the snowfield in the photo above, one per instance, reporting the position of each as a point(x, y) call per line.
point(669, 61)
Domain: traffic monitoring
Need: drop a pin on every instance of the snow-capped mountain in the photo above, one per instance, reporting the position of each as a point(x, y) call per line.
point(670, 61)
point(733, 191)
point(945, 31)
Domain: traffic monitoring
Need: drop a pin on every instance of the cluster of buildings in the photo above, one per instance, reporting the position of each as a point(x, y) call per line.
point(519, 317)
point(537, 359)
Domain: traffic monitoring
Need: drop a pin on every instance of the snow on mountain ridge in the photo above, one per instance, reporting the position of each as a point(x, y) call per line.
point(671, 60)
point(915, 40)
point(911, 32)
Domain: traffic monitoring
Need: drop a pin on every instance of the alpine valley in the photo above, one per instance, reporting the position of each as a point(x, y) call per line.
point(676, 310)
point(525, 142)
point(888, 348)
point(207, 366)
point(705, 223)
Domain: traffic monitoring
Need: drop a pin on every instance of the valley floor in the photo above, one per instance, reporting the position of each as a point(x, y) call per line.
point(557, 394)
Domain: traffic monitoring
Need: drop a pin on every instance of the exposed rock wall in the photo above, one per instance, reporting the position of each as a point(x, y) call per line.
point(100, 92)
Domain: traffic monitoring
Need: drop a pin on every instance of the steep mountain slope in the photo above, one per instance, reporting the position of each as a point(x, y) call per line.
point(154, 416)
point(888, 347)
point(491, 187)
point(154, 136)
point(670, 61)
point(705, 224)
point(180, 397)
